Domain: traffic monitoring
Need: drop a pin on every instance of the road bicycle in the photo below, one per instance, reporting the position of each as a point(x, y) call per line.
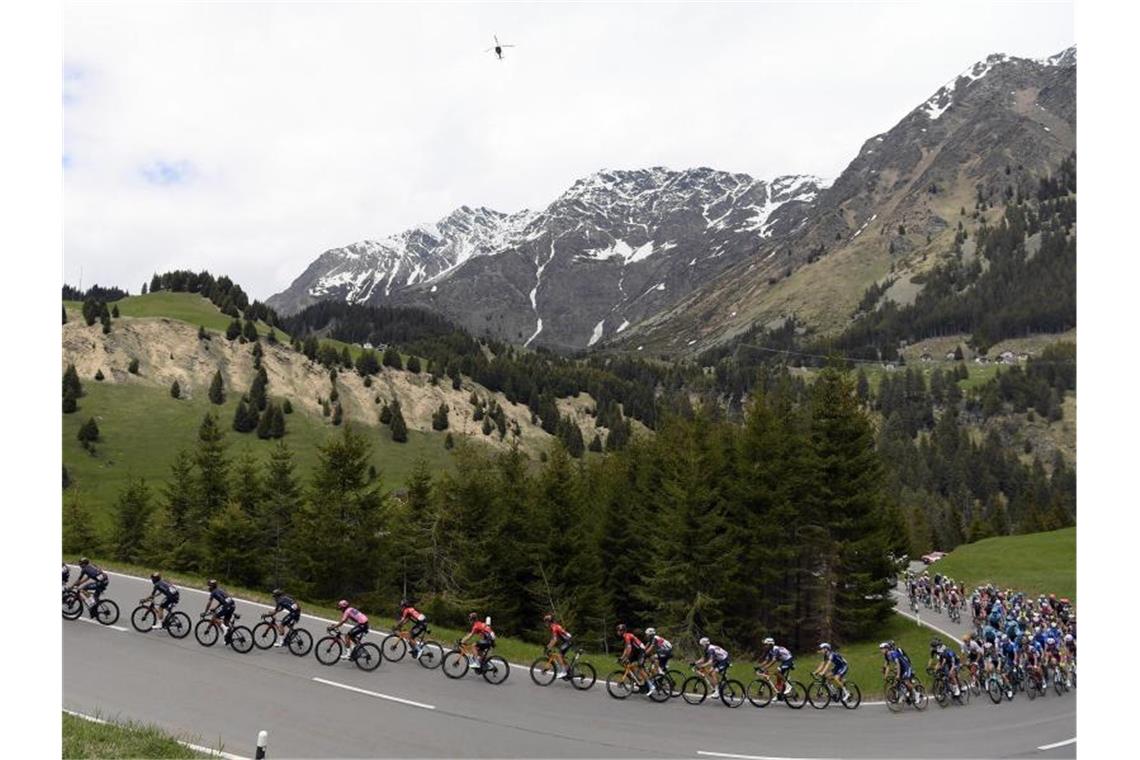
point(823, 692)
point(329, 649)
point(457, 661)
point(1055, 676)
point(954, 612)
point(105, 610)
point(297, 640)
point(673, 677)
point(621, 683)
point(943, 690)
point(697, 687)
point(581, 675)
point(208, 630)
point(898, 695)
point(176, 623)
point(761, 691)
point(968, 678)
point(427, 652)
point(998, 684)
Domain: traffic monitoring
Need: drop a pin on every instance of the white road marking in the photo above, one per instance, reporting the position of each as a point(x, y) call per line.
point(920, 621)
point(755, 757)
point(96, 622)
point(188, 745)
point(377, 694)
point(1058, 744)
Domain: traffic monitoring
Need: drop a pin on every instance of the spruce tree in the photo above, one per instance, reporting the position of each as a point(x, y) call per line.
point(202, 334)
point(242, 418)
point(257, 396)
point(596, 443)
point(449, 442)
point(99, 374)
point(338, 414)
point(212, 482)
point(439, 419)
point(217, 392)
point(287, 406)
point(386, 415)
point(88, 432)
point(72, 389)
point(249, 331)
point(392, 358)
point(398, 426)
point(175, 390)
point(233, 330)
point(79, 535)
point(115, 311)
point(231, 545)
point(414, 364)
point(275, 519)
point(131, 514)
point(276, 421)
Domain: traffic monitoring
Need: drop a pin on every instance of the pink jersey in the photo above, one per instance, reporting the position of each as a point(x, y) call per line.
point(354, 615)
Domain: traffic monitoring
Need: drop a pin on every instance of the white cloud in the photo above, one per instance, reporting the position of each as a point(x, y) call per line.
point(276, 131)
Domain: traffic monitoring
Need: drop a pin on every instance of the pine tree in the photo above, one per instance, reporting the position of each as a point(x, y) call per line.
point(249, 331)
point(65, 315)
point(175, 390)
point(88, 432)
point(202, 334)
point(131, 515)
point(72, 389)
point(115, 311)
point(337, 530)
point(257, 396)
point(217, 392)
point(439, 420)
point(212, 483)
point(386, 415)
point(90, 311)
point(233, 330)
point(367, 364)
point(398, 426)
point(338, 414)
point(287, 406)
point(231, 545)
point(242, 414)
point(275, 519)
point(392, 358)
point(99, 375)
point(488, 426)
point(414, 364)
point(346, 358)
point(596, 443)
point(276, 422)
point(79, 535)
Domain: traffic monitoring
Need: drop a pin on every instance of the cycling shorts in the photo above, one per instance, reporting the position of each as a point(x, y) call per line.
point(786, 666)
point(419, 628)
point(722, 666)
point(168, 603)
point(225, 612)
point(96, 586)
point(484, 645)
point(564, 645)
point(358, 631)
point(663, 659)
point(841, 671)
point(291, 618)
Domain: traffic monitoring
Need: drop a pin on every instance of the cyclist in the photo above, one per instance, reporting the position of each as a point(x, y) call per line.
point(560, 642)
point(486, 639)
point(833, 667)
point(633, 652)
point(771, 654)
point(716, 658)
point(659, 646)
point(359, 626)
point(419, 624)
point(287, 604)
point(93, 580)
point(222, 605)
point(946, 660)
point(169, 598)
point(895, 659)
point(66, 573)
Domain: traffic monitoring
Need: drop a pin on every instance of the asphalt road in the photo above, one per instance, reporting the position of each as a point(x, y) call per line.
point(222, 698)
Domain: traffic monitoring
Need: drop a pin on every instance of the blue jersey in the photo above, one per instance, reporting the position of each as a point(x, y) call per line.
point(836, 660)
point(166, 588)
point(221, 597)
point(1009, 650)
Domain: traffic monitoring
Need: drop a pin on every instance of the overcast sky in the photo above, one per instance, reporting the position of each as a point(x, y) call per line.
point(248, 138)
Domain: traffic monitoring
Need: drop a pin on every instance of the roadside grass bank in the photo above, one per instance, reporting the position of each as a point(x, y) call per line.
point(1037, 563)
point(84, 738)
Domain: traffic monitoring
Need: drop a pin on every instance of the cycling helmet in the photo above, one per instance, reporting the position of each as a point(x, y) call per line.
point(276, 593)
point(547, 618)
point(621, 627)
point(769, 641)
point(884, 645)
point(1068, 637)
point(935, 643)
point(83, 561)
point(211, 584)
point(155, 577)
point(704, 641)
point(825, 645)
point(342, 604)
point(989, 645)
point(653, 632)
point(1050, 641)
point(472, 616)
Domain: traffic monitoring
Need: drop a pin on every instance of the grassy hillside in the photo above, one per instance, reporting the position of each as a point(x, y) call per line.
point(187, 307)
point(1038, 563)
point(143, 428)
point(84, 738)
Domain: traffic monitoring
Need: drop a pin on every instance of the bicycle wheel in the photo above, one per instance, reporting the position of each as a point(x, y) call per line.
point(732, 693)
point(497, 670)
point(206, 633)
point(178, 624)
point(854, 696)
point(107, 612)
point(299, 641)
point(617, 686)
point(993, 688)
point(795, 695)
point(394, 647)
point(241, 639)
point(662, 689)
point(431, 655)
point(543, 671)
point(921, 699)
point(328, 650)
point(1031, 688)
point(760, 693)
point(940, 692)
point(455, 664)
point(676, 678)
point(1058, 683)
point(695, 690)
point(143, 618)
point(583, 677)
point(819, 695)
point(264, 635)
point(367, 656)
point(891, 697)
point(72, 606)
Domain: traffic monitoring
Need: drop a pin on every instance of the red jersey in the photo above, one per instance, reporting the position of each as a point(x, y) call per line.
point(556, 629)
point(411, 613)
point(482, 629)
point(632, 641)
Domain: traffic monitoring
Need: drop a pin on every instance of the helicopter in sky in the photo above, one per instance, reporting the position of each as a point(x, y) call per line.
point(498, 48)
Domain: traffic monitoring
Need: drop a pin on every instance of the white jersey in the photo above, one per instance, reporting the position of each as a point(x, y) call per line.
point(661, 644)
point(715, 653)
point(781, 653)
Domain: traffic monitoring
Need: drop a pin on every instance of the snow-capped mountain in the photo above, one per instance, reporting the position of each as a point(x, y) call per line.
point(372, 269)
point(614, 248)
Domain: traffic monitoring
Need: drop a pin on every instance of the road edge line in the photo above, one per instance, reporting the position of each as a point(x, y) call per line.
point(188, 745)
point(389, 697)
point(1054, 745)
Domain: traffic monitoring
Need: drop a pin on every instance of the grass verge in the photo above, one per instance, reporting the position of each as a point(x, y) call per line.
point(83, 738)
point(1037, 563)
